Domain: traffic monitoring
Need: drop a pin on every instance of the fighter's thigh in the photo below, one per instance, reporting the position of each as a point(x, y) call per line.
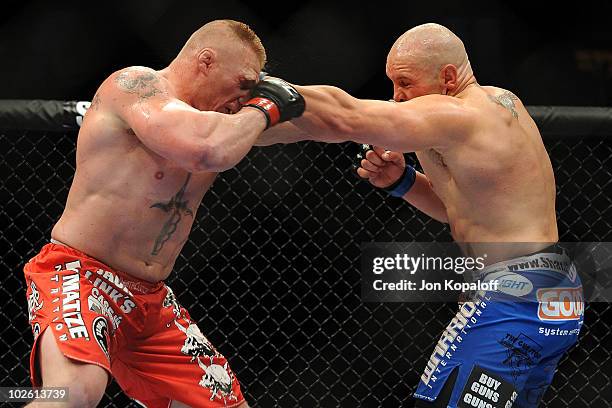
point(175, 361)
point(85, 382)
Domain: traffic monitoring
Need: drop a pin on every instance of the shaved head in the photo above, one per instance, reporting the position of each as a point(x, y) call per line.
point(220, 34)
point(430, 46)
point(218, 66)
point(428, 59)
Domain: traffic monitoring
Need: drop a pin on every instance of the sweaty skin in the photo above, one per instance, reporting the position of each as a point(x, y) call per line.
point(486, 171)
point(151, 145)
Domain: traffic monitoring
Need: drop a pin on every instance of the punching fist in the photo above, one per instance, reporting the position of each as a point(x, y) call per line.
point(277, 99)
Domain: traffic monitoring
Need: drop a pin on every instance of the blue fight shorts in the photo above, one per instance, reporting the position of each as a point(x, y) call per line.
point(503, 346)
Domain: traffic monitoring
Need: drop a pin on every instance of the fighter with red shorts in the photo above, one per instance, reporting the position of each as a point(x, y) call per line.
point(150, 146)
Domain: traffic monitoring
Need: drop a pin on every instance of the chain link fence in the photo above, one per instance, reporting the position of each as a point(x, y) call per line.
point(271, 272)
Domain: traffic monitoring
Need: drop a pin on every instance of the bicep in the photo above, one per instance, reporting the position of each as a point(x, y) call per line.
point(174, 130)
point(165, 126)
point(431, 122)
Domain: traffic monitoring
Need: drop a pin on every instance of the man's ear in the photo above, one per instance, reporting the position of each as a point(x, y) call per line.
point(448, 78)
point(206, 58)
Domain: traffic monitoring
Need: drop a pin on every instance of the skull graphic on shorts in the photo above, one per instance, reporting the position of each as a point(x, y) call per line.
point(217, 380)
point(196, 344)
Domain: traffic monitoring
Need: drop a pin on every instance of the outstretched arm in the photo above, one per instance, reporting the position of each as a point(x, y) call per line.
point(283, 133)
point(333, 115)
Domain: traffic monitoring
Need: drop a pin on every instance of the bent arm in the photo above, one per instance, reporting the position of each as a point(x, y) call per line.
point(430, 121)
point(195, 140)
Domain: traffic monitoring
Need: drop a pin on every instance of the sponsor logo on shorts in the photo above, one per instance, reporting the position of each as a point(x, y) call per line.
point(113, 288)
point(71, 302)
point(546, 331)
point(468, 315)
point(486, 390)
point(98, 304)
point(100, 332)
point(560, 303)
point(515, 285)
point(557, 263)
point(522, 352)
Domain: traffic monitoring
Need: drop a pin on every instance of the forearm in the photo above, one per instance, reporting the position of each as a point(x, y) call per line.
point(422, 196)
point(231, 139)
point(282, 133)
point(430, 121)
point(326, 118)
point(330, 115)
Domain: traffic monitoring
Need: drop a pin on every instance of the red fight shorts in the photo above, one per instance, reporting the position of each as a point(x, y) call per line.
point(135, 330)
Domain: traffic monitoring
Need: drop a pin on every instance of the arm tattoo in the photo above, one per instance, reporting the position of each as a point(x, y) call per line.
point(177, 206)
point(506, 100)
point(142, 84)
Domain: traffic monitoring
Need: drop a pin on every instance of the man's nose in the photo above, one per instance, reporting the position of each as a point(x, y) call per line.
point(399, 95)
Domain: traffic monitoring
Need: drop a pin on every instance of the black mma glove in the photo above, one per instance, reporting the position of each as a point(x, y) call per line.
point(278, 99)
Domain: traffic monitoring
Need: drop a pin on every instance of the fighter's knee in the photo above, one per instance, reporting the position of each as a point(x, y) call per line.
point(85, 395)
point(81, 393)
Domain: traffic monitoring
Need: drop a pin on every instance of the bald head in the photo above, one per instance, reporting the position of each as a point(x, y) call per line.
point(222, 34)
point(430, 46)
point(428, 59)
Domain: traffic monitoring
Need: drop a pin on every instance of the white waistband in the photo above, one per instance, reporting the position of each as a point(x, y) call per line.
point(544, 261)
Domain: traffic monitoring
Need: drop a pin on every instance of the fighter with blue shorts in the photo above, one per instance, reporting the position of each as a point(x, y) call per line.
point(486, 173)
point(502, 347)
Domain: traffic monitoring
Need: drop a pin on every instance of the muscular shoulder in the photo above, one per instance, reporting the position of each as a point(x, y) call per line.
point(446, 112)
point(140, 82)
point(436, 102)
point(130, 87)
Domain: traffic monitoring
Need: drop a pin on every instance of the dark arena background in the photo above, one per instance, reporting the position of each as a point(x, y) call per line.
point(271, 271)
